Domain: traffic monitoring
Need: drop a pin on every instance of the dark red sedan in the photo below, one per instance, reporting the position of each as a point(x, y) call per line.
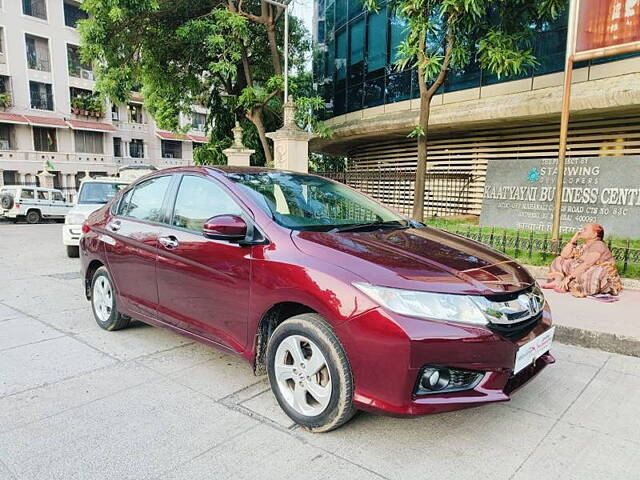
point(344, 303)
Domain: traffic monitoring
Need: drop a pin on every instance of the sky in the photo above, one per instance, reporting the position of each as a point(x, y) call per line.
point(303, 9)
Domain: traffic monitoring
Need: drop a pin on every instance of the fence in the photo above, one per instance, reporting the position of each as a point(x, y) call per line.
point(445, 193)
point(529, 244)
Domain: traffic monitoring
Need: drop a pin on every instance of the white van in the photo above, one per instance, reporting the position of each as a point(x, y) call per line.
point(92, 194)
point(32, 203)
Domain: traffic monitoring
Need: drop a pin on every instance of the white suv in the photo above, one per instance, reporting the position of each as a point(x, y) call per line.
point(32, 203)
point(93, 193)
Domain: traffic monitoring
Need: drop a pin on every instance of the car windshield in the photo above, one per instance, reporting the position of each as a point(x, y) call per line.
point(99, 192)
point(308, 202)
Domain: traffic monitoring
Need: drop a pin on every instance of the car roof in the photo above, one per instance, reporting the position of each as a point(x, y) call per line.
point(222, 169)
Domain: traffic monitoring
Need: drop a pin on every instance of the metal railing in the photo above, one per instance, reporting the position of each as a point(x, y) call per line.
point(446, 193)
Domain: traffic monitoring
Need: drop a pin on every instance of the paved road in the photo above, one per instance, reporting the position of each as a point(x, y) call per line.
point(77, 402)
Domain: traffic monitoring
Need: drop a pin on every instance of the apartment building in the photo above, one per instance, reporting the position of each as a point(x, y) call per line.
point(49, 115)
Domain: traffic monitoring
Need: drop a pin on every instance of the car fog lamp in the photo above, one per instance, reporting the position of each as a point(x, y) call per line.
point(435, 379)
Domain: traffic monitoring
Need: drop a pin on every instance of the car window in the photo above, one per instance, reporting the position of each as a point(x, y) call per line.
point(98, 192)
point(123, 206)
point(57, 196)
point(42, 195)
point(146, 200)
point(27, 194)
point(198, 200)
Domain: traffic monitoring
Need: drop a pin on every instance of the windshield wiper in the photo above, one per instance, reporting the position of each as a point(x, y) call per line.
point(393, 224)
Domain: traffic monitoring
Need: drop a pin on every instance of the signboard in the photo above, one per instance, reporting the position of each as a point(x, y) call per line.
point(604, 190)
point(607, 23)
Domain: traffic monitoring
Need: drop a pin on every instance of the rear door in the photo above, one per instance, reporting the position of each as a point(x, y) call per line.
point(59, 206)
point(203, 284)
point(43, 198)
point(132, 248)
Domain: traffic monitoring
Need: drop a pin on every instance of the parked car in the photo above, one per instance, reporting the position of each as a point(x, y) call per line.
point(92, 194)
point(344, 303)
point(30, 203)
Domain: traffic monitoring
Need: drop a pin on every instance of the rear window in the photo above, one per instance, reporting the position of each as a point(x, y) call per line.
point(99, 192)
point(27, 194)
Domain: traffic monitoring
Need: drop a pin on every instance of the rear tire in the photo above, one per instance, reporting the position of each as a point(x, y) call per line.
point(310, 374)
point(73, 251)
point(33, 217)
point(103, 302)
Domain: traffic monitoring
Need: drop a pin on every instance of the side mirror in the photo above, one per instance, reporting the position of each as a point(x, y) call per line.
point(225, 227)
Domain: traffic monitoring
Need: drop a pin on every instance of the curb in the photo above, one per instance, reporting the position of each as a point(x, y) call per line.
point(608, 342)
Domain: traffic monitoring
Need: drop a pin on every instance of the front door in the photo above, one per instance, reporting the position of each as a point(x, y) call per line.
point(203, 285)
point(133, 245)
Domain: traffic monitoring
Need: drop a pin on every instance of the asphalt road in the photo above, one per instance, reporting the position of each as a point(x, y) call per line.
point(77, 402)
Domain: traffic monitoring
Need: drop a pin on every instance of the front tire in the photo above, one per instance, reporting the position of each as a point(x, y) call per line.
point(310, 374)
point(103, 302)
point(73, 251)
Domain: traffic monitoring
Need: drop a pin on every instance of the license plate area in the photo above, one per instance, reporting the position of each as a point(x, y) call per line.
point(528, 353)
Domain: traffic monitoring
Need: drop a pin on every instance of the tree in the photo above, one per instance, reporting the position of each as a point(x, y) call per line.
point(223, 54)
point(447, 34)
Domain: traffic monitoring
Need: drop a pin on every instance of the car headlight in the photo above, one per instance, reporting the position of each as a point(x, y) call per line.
point(75, 218)
point(429, 305)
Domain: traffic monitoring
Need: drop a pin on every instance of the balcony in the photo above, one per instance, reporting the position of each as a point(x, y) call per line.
point(131, 127)
point(66, 162)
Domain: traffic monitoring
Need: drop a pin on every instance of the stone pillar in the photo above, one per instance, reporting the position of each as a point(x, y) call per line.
point(290, 143)
point(237, 154)
point(46, 179)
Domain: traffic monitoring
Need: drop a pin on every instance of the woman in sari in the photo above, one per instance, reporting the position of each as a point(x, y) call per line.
point(586, 269)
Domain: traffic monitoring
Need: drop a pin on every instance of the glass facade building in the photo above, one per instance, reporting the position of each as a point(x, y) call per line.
point(356, 67)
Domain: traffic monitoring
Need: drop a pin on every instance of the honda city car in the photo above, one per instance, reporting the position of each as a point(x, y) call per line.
point(344, 303)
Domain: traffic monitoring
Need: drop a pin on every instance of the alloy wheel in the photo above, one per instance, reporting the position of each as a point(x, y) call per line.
point(302, 375)
point(102, 298)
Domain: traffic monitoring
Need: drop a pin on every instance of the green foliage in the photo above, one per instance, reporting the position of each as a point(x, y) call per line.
point(186, 52)
point(322, 163)
point(90, 102)
point(417, 131)
point(5, 99)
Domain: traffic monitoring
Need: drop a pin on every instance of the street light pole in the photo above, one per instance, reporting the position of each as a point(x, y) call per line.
point(284, 5)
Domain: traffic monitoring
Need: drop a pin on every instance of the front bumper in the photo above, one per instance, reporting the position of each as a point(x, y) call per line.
point(388, 351)
point(71, 235)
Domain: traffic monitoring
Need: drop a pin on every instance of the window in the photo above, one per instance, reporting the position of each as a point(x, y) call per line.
point(41, 96)
point(135, 113)
point(171, 149)
point(6, 140)
point(44, 139)
point(43, 195)
point(341, 55)
point(57, 197)
point(377, 47)
point(1, 40)
point(38, 53)
point(73, 13)
point(115, 113)
point(27, 194)
point(75, 65)
point(136, 148)
point(124, 203)
point(398, 34)
point(198, 200)
point(146, 200)
point(35, 8)
point(117, 147)
point(97, 193)
point(198, 121)
point(89, 142)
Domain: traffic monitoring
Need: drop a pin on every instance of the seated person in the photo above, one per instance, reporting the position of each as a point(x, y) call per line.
point(586, 269)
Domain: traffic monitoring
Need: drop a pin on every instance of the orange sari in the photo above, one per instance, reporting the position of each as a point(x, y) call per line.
point(601, 278)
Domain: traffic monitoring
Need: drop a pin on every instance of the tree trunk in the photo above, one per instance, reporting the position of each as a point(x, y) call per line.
point(256, 118)
point(421, 167)
point(273, 45)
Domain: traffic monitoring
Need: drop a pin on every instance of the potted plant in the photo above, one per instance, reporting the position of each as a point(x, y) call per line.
point(5, 100)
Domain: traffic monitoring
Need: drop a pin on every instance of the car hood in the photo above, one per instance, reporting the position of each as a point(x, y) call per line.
point(425, 259)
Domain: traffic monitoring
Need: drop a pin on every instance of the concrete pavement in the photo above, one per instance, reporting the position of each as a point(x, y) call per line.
point(77, 402)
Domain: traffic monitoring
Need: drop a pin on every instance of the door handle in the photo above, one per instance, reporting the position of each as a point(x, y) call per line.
point(169, 242)
point(114, 226)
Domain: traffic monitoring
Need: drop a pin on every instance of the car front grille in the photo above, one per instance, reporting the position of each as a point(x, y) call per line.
point(516, 330)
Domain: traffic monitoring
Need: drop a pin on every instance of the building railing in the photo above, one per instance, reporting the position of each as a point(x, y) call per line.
point(446, 193)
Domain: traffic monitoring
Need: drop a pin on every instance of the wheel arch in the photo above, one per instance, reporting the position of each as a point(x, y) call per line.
point(91, 270)
point(274, 316)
